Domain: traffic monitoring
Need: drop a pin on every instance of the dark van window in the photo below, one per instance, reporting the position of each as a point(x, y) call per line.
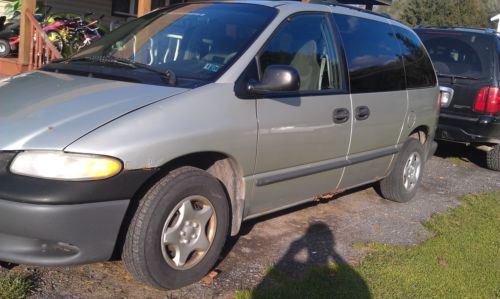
point(306, 43)
point(418, 66)
point(460, 53)
point(372, 55)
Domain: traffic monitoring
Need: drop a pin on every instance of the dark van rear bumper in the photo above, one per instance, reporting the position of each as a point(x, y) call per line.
point(485, 129)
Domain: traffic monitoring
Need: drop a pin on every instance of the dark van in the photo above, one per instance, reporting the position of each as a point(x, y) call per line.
point(467, 61)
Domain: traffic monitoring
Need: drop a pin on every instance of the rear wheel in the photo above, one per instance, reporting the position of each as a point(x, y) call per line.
point(493, 158)
point(402, 183)
point(179, 229)
point(4, 48)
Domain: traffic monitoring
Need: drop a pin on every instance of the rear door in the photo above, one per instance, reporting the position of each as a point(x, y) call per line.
point(379, 98)
point(464, 61)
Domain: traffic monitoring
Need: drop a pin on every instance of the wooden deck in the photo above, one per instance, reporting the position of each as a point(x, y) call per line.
point(10, 66)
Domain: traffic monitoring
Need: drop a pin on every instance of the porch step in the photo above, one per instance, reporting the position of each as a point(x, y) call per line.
point(10, 66)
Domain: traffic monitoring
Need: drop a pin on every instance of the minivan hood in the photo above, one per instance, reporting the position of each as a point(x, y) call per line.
point(43, 110)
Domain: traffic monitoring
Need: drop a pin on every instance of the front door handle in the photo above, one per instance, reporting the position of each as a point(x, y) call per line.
point(362, 112)
point(340, 115)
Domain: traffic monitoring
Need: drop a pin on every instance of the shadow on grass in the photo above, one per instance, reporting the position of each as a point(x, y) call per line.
point(311, 268)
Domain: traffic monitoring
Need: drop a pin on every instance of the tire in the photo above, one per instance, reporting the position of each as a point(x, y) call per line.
point(4, 48)
point(402, 182)
point(493, 158)
point(164, 226)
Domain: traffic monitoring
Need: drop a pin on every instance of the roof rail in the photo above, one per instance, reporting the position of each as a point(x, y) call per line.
point(344, 3)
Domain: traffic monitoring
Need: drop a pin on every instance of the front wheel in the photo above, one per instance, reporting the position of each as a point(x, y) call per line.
point(402, 183)
point(178, 230)
point(4, 48)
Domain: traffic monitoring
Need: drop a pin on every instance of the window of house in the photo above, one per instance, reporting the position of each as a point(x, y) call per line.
point(128, 8)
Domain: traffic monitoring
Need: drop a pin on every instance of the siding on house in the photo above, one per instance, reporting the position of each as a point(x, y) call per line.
point(2, 7)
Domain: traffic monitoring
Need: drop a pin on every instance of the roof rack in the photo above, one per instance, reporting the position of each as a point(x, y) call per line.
point(368, 3)
point(345, 3)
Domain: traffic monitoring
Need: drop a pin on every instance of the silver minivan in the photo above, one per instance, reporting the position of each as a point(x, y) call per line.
point(158, 141)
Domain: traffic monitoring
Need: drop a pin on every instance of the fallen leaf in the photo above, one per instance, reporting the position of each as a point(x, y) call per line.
point(442, 262)
point(209, 278)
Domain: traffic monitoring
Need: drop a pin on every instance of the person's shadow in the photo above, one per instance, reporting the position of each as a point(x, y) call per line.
point(311, 268)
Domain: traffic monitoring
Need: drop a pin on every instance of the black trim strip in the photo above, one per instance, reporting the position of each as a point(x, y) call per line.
point(271, 179)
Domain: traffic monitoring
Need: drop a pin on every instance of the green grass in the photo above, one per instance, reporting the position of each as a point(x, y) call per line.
point(462, 260)
point(456, 160)
point(14, 286)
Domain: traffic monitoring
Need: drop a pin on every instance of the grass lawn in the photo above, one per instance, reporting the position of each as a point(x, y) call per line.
point(462, 260)
point(14, 286)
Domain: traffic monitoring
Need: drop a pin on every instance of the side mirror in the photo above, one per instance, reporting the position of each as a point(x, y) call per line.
point(276, 78)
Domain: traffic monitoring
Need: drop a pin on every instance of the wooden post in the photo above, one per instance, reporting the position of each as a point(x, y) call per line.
point(143, 7)
point(26, 32)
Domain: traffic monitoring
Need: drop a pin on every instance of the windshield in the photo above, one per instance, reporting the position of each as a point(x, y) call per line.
point(193, 41)
point(461, 54)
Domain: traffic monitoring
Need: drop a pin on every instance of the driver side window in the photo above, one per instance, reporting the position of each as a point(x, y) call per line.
point(305, 42)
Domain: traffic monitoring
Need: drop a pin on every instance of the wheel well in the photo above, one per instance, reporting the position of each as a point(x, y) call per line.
point(420, 133)
point(221, 166)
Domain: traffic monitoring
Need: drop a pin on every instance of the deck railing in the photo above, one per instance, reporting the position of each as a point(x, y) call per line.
point(42, 51)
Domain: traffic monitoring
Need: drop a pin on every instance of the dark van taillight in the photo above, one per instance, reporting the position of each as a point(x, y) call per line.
point(488, 100)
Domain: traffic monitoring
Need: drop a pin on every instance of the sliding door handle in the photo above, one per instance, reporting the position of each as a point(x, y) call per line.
point(362, 112)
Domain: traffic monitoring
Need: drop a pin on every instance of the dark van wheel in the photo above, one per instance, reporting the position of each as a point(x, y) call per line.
point(4, 48)
point(402, 183)
point(493, 158)
point(179, 229)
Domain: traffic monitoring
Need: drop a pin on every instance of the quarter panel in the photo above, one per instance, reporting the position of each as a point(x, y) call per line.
point(209, 118)
point(423, 105)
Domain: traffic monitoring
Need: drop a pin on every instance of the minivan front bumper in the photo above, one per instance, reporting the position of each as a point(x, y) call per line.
point(54, 235)
point(54, 223)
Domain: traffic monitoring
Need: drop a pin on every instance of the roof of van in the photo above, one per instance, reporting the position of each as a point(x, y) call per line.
point(343, 4)
point(488, 31)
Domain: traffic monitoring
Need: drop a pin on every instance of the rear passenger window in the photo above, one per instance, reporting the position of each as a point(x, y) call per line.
point(460, 53)
point(373, 55)
point(418, 66)
point(306, 43)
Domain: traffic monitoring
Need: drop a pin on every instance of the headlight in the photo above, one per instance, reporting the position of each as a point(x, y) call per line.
point(65, 166)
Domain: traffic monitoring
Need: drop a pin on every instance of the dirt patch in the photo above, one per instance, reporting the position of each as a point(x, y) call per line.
point(316, 233)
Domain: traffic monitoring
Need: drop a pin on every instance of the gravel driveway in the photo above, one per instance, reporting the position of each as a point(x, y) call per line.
point(312, 234)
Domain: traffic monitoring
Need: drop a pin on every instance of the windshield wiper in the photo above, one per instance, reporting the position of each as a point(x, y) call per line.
point(168, 75)
point(454, 77)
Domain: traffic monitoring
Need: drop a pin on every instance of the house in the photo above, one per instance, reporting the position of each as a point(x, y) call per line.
point(115, 11)
point(2, 7)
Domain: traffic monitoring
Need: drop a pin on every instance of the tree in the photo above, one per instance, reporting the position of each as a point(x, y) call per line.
point(466, 13)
